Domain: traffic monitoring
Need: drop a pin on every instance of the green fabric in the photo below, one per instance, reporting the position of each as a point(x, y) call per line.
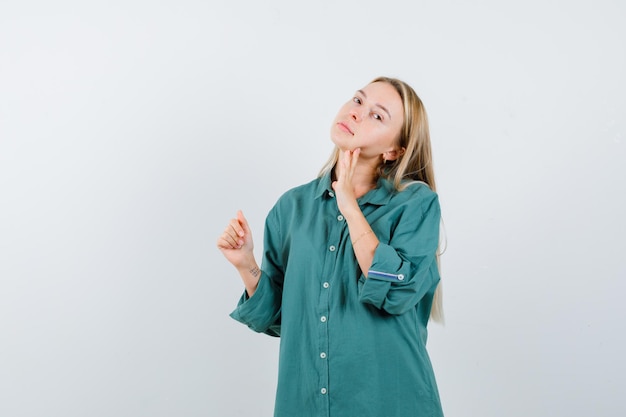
point(350, 346)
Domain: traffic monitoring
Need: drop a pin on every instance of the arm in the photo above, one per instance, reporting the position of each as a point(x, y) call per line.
point(400, 272)
point(405, 269)
point(259, 307)
point(364, 240)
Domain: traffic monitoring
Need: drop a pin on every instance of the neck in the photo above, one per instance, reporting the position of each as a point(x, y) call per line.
point(360, 191)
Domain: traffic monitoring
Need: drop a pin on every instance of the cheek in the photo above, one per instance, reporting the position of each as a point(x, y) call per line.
point(394, 135)
point(384, 134)
point(388, 139)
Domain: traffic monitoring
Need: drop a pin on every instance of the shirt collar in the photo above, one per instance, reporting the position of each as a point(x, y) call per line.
point(378, 196)
point(324, 188)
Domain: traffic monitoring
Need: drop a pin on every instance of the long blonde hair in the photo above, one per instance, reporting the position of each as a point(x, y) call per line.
point(416, 164)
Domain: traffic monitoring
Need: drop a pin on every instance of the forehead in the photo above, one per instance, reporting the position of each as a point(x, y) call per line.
point(386, 95)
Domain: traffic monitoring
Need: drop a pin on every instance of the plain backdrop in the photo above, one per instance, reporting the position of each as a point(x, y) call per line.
point(131, 132)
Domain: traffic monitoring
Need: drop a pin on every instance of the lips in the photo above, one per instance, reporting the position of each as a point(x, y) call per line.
point(345, 128)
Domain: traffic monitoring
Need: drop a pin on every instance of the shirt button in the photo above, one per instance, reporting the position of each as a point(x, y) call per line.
point(323, 355)
point(326, 285)
point(323, 391)
point(330, 193)
point(323, 319)
point(332, 248)
point(400, 277)
point(340, 217)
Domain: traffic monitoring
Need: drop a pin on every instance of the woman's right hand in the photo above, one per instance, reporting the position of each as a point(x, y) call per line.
point(236, 244)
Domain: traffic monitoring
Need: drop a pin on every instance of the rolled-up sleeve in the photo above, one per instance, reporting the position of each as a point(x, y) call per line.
point(405, 269)
point(261, 312)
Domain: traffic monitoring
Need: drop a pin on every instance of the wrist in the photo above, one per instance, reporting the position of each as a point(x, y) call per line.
point(249, 268)
point(250, 275)
point(362, 235)
point(351, 212)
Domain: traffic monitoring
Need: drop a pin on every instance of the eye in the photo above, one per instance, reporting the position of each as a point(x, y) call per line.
point(377, 116)
point(357, 100)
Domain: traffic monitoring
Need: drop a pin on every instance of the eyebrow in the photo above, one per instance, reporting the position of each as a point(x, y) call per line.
point(376, 104)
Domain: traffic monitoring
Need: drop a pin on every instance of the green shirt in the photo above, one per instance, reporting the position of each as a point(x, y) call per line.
point(350, 345)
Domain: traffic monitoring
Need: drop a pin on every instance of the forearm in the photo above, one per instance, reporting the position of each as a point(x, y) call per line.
point(250, 275)
point(364, 240)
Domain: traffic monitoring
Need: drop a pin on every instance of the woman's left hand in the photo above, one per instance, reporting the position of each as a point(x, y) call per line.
point(343, 186)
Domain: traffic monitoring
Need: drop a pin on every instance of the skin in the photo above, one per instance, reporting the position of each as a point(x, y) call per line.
point(366, 130)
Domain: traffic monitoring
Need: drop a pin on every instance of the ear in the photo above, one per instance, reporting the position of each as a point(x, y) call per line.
point(393, 154)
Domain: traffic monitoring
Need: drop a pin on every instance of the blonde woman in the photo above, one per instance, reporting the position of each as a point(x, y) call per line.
point(349, 275)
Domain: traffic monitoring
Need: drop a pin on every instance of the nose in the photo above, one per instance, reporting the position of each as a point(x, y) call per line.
point(355, 115)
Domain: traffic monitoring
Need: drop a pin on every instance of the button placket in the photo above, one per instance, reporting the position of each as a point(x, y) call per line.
point(337, 229)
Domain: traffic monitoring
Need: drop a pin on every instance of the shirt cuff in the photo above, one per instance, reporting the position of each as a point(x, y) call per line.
point(260, 311)
point(386, 269)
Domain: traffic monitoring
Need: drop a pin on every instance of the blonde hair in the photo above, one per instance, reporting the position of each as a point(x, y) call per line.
point(415, 165)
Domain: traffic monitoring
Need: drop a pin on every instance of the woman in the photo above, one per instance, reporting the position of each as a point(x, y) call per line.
point(350, 267)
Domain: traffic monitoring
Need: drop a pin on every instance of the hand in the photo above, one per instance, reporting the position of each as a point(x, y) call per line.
point(236, 244)
point(344, 188)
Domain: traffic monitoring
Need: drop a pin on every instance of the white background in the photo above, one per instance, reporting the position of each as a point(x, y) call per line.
point(131, 132)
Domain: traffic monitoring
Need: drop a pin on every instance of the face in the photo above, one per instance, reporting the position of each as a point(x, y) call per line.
point(371, 120)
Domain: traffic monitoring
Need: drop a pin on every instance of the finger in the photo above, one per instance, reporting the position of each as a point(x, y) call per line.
point(236, 227)
point(245, 227)
point(348, 158)
point(345, 164)
point(226, 242)
point(354, 159)
point(232, 239)
point(223, 245)
point(231, 235)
